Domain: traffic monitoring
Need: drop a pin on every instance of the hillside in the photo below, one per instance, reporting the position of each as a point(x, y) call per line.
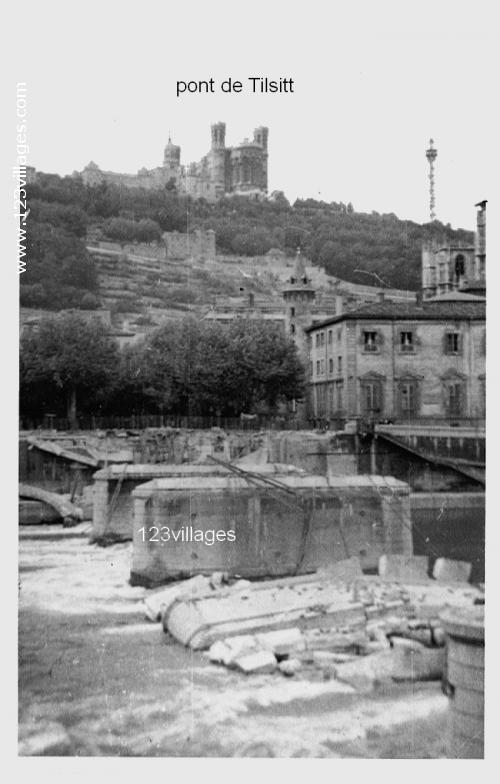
point(361, 248)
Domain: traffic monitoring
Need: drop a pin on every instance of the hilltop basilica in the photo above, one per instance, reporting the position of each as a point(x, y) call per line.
point(240, 170)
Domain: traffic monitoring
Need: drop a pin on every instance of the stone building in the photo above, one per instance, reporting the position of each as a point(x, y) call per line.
point(457, 268)
point(396, 362)
point(406, 361)
point(239, 170)
point(296, 307)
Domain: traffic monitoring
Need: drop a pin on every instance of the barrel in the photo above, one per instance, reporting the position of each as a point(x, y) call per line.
point(464, 629)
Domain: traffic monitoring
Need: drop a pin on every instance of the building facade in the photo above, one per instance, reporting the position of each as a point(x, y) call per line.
point(457, 268)
point(399, 362)
point(239, 170)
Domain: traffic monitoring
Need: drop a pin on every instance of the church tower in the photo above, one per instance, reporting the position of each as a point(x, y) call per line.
point(299, 296)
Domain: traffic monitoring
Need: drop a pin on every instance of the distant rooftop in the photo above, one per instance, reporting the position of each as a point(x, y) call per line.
point(473, 310)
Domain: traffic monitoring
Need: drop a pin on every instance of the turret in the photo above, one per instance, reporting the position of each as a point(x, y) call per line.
point(218, 136)
point(172, 154)
point(260, 136)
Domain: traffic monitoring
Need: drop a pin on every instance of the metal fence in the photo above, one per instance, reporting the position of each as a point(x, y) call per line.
point(142, 421)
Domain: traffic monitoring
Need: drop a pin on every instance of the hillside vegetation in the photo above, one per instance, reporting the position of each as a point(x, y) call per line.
point(358, 247)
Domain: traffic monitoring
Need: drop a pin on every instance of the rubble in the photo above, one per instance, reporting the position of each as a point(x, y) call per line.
point(448, 571)
point(290, 666)
point(256, 662)
point(362, 630)
point(70, 513)
point(403, 567)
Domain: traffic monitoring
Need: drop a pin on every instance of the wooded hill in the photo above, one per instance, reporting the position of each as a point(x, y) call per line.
point(359, 247)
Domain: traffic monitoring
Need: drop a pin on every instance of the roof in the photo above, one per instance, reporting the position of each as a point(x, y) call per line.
point(457, 296)
point(404, 311)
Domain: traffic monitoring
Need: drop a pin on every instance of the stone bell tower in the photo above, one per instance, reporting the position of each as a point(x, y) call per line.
point(299, 296)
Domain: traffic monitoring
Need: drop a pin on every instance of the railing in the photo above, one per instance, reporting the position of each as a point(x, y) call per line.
point(142, 421)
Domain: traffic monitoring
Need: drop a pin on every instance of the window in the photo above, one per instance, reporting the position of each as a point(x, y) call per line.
point(453, 343)
point(459, 266)
point(339, 333)
point(340, 395)
point(322, 338)
point(317, 339)
point(322, 367)
point(330, 336)
point(455, 398)
point(292, 312)
point(408, 398)
point(317, 367)
point(406, 341)
point(330, 365)
point(371, 397)
point(292, 329)
point(311, 369)
point(339, 364)
point(370, 341)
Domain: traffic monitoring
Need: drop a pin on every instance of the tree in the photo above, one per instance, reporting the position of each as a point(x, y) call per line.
point(202, 368)
point(69, 355)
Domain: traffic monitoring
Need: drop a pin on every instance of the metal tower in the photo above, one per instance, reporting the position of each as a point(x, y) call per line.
point(431, 155)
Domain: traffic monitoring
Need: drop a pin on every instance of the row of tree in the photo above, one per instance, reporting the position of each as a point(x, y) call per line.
point(70, 366)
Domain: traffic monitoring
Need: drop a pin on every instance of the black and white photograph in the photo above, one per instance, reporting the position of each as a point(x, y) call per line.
point(250, 265)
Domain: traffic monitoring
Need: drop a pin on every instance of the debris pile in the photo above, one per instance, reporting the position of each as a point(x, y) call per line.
point(362, 630)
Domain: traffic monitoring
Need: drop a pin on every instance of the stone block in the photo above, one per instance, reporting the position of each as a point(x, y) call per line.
point(256, 662)
point(449, 571)
point(402, 663)
point(228, 651)
point(405, 568)
point(157, 602)
point(290, 666)
point(346, 570)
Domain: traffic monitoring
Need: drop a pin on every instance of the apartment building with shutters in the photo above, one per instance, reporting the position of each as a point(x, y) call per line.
point(400, 362)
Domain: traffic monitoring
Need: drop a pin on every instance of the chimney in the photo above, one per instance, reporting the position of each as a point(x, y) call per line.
point(339, 305)
point(380, 296)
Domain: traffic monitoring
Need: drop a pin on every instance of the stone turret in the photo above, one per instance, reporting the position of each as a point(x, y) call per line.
point(299, 295)
point(218, 136)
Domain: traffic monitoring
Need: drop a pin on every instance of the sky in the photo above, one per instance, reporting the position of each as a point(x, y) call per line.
point(373, 81)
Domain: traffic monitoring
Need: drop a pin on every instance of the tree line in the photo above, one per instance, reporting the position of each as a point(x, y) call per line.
point(196, 368)
point(349, 244)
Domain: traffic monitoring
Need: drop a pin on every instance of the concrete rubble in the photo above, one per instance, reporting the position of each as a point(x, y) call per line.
point(449, 571)
point(358, 629)
point(61, 505)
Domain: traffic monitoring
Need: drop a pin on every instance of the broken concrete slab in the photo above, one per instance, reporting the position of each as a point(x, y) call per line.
point(311, 604)
point(64, 508)
point(418, 664)
point(448, 571)
point(406, 568)
point(258, 662)
point(200, 622)
point(228, 651)
point(398, 664)
point(406, 642)
point(346, 570)
point(156, 602)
